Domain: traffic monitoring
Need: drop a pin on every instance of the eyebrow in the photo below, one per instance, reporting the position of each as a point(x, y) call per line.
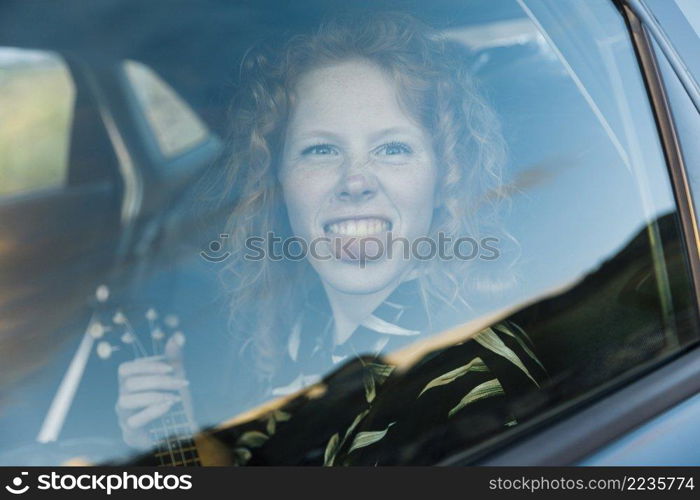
point(335, 138)
point(400, 130)
point(313, 134)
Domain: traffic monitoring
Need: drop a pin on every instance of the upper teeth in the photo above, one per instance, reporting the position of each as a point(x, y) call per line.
point(359, 227)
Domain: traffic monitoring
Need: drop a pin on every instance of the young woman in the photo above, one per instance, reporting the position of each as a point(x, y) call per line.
point(368, 144)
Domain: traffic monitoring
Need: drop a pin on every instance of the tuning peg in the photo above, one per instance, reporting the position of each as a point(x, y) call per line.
point(172, 321)
point(151, 314)
point(119, 318)
point(96, 329)
point(157, 334)
point(102, 293)
point(104, 349)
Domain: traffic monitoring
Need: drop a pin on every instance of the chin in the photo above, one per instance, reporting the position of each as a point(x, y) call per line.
point(351, 278)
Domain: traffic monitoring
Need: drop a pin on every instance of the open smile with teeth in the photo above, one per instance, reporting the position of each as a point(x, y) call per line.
point(358, 227)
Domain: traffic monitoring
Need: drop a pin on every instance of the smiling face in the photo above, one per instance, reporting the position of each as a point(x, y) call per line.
point(356, 166)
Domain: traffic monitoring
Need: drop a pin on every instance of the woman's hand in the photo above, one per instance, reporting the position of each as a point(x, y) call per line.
point(148, 389)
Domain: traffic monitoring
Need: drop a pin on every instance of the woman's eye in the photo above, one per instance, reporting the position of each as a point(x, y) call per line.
point(320, 149)
point(395, 148)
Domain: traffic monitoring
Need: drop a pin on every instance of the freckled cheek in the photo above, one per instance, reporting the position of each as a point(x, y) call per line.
point(304, 197)
point(414, 196)
point(416, 207)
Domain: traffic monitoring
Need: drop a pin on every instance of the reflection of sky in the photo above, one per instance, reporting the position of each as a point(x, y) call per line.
point(588, 202)
point(680, 23)
point(585, 207)
point(691, 10)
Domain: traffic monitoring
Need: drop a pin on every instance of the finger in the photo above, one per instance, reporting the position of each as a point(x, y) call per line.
point(147, 415)
point(143, 366)
point(153, 383)
point(139, 400)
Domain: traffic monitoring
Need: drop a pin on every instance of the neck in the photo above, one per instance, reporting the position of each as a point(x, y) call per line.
point(350, 310)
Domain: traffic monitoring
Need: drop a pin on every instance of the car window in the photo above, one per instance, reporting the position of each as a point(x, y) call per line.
point(176, 128)
point(37, 96)
point(429, 231)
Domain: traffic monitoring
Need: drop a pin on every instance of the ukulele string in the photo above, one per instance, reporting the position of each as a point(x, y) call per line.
point(134, 337)
point(173, 439)
point(177, 436)
point(165, 435)
point(158, 431)
point(151, 326)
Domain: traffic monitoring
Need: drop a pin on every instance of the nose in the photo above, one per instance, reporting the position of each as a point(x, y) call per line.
point(357, 184)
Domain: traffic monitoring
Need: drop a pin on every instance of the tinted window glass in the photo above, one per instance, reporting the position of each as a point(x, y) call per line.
point(507, 155)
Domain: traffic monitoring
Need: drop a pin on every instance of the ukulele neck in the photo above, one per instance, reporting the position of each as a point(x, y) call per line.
point(172, 437)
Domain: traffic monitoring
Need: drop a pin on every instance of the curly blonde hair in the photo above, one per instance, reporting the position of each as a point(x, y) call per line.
point(434, 86)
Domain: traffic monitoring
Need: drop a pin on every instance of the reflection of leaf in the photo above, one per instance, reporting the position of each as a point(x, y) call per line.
point(375, 373)
point(272, 418)
point(506, 329)
point(379, 325)
point(491, 341)
point(380, 371)
point(367, 438)
point(475, 365)
point(252, 439)
point(357, 420)
point(270, 426)
point(334, 446)
point(370, 390)
point(281, 416)
point(242, 455)
point(331, 450)
point(486, 390)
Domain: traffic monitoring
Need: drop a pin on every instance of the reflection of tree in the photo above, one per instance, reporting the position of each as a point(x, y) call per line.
point(391, 410)
point(605, 325)
point(612, 320)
